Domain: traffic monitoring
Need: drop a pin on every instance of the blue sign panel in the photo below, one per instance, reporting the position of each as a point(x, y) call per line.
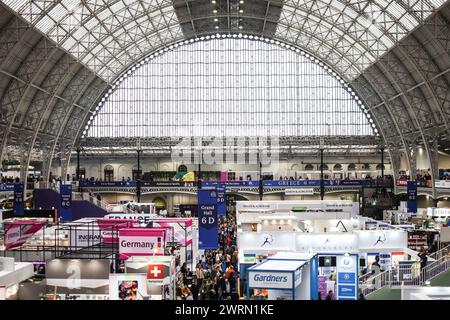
point(18, 199)
point(347, 291)
point(65, 191)
point(7, 186)
point(293, 183)
point(346, 277)
point(411, 189)
point(108, 184)
point(221, 202)
point(207, 219)
point(243, 183)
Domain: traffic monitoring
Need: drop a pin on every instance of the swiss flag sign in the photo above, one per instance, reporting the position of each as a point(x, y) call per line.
point(155, 271)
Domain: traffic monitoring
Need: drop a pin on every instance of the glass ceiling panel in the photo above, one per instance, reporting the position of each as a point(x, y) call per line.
point(87, 23)
point(230, 87)
point(384, 22)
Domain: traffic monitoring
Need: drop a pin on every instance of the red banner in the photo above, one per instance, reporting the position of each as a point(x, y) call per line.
point(401, 182)
point(18, 232)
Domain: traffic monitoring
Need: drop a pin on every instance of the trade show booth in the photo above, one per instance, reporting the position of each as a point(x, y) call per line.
point(161, 275)
point(281, 279)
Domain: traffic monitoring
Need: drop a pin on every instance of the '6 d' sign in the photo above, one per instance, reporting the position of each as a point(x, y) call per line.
point(207, 219)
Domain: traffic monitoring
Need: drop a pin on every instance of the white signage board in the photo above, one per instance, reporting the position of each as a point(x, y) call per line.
point(270, 280)
point(299, 191)
point(142, 218)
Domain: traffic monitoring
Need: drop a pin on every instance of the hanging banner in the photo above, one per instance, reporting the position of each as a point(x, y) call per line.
point(18, 199)
point(141, 242)
point(207, 219)
point(16, 233)
point(221, 202)
point(411, 190)
point(65, 191)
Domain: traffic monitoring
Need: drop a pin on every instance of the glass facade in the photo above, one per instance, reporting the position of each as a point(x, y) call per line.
point(230, 87)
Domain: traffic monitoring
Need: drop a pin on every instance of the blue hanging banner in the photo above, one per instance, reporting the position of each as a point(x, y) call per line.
point(65, 190)
point(221, 202)
point(411, 189)
point(18, 199)
point(347, 277)
point(207, 219)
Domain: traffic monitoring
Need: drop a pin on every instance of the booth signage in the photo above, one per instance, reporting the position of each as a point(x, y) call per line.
point(155, 272)
point(6, 186)
point(442, 184)
point(347, 270)
point(302, 191)
point(207, 219)
point(65, 191)
point(270, 280)
point(142, 218)
point(110, 228)
point(81, 238)
point(411, 190)
point(108, 184)
point(18, 199)
point(401, 182)
point(141, 242)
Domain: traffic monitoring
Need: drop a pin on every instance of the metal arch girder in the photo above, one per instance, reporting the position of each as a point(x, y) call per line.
point(92, 16)
point(61, 112)
point(390, 148)
point(27, 86)
point(407, 104)
point(64, 122)
point(101, 92)
point(67, 69)
point(432, 152)
point(423, 79)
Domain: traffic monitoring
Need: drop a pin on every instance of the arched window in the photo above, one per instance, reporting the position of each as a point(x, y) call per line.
point(230, 87)
point(309, 167)
point(366, 166)
point(108, 173)
point(182, 168)
point(337, 167)
point(379, 166)
point(351, 167)
point(325, 166)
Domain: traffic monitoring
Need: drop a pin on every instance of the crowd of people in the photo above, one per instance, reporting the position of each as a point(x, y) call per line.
point(216, 276)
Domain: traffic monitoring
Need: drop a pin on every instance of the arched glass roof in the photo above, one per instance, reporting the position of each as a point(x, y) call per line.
point(230, 86)
point(109, 36)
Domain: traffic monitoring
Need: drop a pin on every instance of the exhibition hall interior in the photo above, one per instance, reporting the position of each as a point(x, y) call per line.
point(224, 150)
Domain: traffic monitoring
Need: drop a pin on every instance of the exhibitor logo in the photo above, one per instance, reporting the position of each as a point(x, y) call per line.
point(227, 150)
